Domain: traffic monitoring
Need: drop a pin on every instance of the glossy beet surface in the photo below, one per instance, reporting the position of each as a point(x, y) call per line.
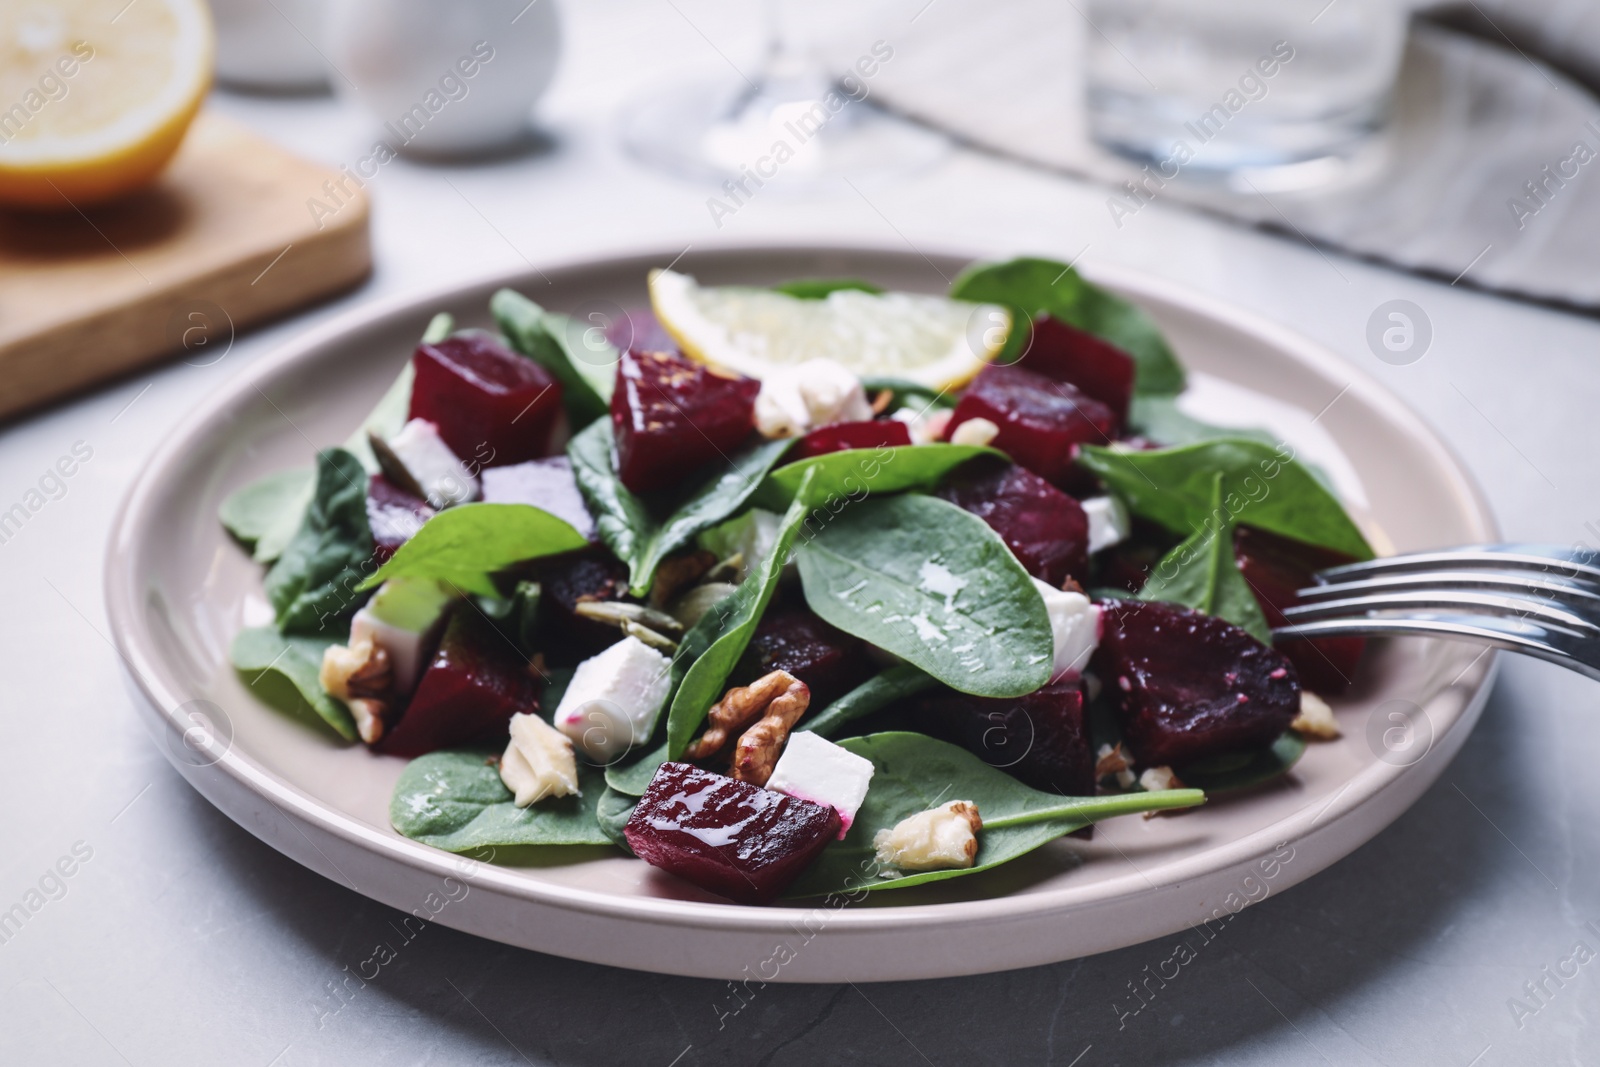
point(544, 483)
point(564, 583)
point(874, 433)
point(828, 660)
point(731, 838)
point(1044, 528)
point(1067, 354)
point(473, 685)
point(394, 516)
point(1277, 568)
point(1041, 739)
point(671, 414)
point(491, 405)
point(1040, 420)
point(1188, 686)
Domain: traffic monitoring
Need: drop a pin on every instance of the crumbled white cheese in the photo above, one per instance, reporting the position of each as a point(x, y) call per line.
point(977, 431)
point(401, 619)
point(612, 701)
point(538, 761)
point(815, 769)
point(1159, 779)
point(1112, 761)
point(795, 400)
point(937, 839)
point(1315, 718)
point(441, 476)
point(1074, 629)
point(1109, 522)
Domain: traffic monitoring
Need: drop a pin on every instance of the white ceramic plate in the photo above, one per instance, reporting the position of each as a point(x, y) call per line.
point(177, 588)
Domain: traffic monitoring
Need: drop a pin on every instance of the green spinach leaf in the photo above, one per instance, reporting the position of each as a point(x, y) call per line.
point(733, 621)
point(1202, 573)
point(625, 522)
point(855, 472)
point(464, 545)
point(613, 813)
point(874, 694)
point(265, 514)
point(527, 326)
point(819, 288)
point(936, 586)
point(1233, 774)
point(1041, 286)
point(455, 800)
point(289, 667)
point(632, 779)
point(316, 579)
point(1262, 487)
point(913, 772)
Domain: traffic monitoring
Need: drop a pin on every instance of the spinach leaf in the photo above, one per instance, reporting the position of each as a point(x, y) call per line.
point(855, 472)
point(733, 621)
point(632, 779)
point(1201, 573)
point(913, 772)
point(819, 288)
point(526, 325)
point(1234, 773)
point(315, 580)
point(1262, 487)
point(613, 813)
point(516, 617)
point(439, 327)
point(936, 586)
point(286, 670)
point(455, 800)
point(1159, 419)
point(588, 351)
point(265, 514)
point(465, 544)
point(625, 522)
point(1041, 286)
point(872, 695)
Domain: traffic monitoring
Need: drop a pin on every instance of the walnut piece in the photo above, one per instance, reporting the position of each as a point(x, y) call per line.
point(362, 677)
point(1315, 718)
point(1113, 761)
point(774, 703)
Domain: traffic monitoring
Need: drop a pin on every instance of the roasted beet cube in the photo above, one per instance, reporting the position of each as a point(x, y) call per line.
point(671, 414)
point(1278, 568)
point(1041, 421)
point(1067, 354)
point(491, 405)
point(565, 582)
point(547, 484)
point(394, 516)
point(791, 638)
point(1044, 528)
point(1188, 686)
point(729, 837)
point(1041, 739)
point(476, 681)
point(873, 433)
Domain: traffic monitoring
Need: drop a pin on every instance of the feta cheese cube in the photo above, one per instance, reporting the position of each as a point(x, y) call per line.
point(1074, 627)
point(538, 762)
point(443, 478)
point(1109, 522)
point(611, 704)
point(1315, 718)
point(818, 392)
point(941, 838)
point(402, 618)
point(815, 769)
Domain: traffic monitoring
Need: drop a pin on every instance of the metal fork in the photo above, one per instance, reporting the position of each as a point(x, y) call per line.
point(1540, 600)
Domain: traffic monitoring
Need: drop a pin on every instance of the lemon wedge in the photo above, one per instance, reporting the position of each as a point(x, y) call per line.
point(931, 340)
point(96, 95)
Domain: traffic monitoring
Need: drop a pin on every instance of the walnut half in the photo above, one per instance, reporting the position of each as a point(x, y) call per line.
point(362, 677)
point(774, 703)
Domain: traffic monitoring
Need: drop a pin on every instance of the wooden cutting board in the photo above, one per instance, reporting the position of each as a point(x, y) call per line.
point(225, 239)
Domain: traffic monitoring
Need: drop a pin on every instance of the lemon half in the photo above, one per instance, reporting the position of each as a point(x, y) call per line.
point(96, 95)
point(931, 340)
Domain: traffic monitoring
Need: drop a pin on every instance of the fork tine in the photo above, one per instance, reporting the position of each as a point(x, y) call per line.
point(1556, 560)
point(1568, 650)
point(1533, 609)
point(1575, 593)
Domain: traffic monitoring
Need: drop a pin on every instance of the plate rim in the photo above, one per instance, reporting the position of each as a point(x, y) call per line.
point(139, 657)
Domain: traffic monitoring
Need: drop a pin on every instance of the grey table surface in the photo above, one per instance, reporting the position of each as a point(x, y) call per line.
point(179, 938)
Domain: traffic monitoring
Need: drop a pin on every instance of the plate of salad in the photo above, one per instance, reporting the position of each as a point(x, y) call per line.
point(812, 614)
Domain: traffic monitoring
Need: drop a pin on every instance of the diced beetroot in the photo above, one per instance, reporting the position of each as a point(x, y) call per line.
point(1044, 528)
point(1277, 568)
point(564, 582)
point(491, 405)
point(872, 433)
point(545, 483)
point(671, 414)
point(1041, 739)
point(1188, 685)
point(394, 516)
point(474, 684)
point(729, 837)
point(830, 661)
point(1097, 367)
point(1041, 421)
